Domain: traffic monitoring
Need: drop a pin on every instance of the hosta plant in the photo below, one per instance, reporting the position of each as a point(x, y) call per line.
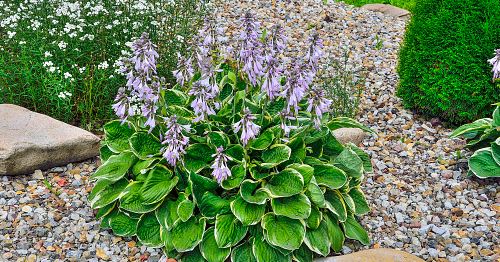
point(237, 161)
point(483, 135)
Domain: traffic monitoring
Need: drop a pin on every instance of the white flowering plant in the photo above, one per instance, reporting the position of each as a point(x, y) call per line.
point(237, 161)
point(49, 47)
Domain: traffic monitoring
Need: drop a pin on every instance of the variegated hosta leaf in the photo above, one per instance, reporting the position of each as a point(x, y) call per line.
point(317, 239)
point(247, 213)
point(211, 205)
point(330, 176)
point(229, 230)
point(117, 135)
point(286, 183)
point(297, 206)
point(145, 145)
point(303, 254)
point(336, 204)
point(148, 230)
point(340, 122)
point(360, 205)
point(264, 252)
point(243, 253)
point(158, 184)
point(483, 164)
point(209, 249)
point(185, 209)
point(472, 129)
point(132, 201)
point(187, 235)
point(115, 168)
point(109, 193)
point(350, 162)
point(275, 155)
point(315, 218)
point(167, 213)
point(238, 173)
point(354, 230)
point(123, 225)
point(283, 231)
point(335, 233)
point(263, 141)
point(251, 194)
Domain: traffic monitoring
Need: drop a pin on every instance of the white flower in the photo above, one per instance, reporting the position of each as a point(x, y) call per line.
point(64, 95)
point(62, 45)
point(103, 65)
point(47, 54)
point(67, 75)
point(11, 34)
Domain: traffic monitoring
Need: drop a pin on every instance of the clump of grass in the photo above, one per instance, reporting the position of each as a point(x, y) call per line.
point(59, 57)
point(344, 85)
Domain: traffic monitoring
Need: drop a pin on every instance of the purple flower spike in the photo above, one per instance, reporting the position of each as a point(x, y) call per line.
point(296, 87)
point(251, 54)
point(248, 128)
point(314, 53)
point(185, 70)
point(319, 104)
point(204, 94)
point(495, 62)
point(175, 141)
point(271, 85)
point(219, 168)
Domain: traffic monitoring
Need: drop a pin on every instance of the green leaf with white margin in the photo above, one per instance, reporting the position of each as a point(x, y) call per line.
point(330, 176)
point(117, 135)
point(315, 194)
point(197, 157)
point(306, 171)
point(145, 145)
point(495, 150)
point(471, 130)
point(297, 206)
point(175, 97)
point(317, 239)
point(275, 155)
point(286, 183)
point(200, 184)
point(483, 164)
point(341, 122)
point(105, 153)
point(354, 230)
point(283, 231)
point(350, 162)
point(218, 139)
point(106, 218)
point(264, 252)
point(335, 203)
point(123, 225)
point(247, 213)
point(228, 230)
point(349, 202)
point(143, 166)
point(99, 186)
point(115, 168)
point(335, 233)
point(251, 194)
point(238, 174)
point(131, 199)
point(187, 235)
point(263, 141)
point(315, 218)
point(496, 117)
point(212, 204)
point(109, 194)
point(185, 209)
point(258, 173)
point(243, 253)
point(209, 249)
point(303, 254)
point(367, 163)
point(193, 256)
point(158, 184)
point(167, 213)
point(361, 206)
point(103, 211)
point(236, 152)
point(148, 231)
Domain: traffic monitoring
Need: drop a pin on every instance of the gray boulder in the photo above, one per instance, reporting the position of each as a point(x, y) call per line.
point(31, 141)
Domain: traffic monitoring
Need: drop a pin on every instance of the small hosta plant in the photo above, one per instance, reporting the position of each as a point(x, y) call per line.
point(483, 135)
point(237, 161)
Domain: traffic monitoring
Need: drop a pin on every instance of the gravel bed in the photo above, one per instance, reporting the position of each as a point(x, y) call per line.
point(422, 202)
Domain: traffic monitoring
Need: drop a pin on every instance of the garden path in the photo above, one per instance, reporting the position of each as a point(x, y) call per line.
point(422, 202)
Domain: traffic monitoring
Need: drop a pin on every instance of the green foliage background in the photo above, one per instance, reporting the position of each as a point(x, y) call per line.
point(405, 4)
point(443, 64)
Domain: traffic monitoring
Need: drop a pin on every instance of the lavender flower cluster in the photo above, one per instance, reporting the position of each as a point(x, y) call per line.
point(141, 93)
point(263, 65)
point(495, 62)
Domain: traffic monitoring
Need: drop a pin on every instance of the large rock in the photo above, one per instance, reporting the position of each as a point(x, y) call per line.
point(387, 9)
point(374, 255)
point(30, 141)
point(352, 135)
